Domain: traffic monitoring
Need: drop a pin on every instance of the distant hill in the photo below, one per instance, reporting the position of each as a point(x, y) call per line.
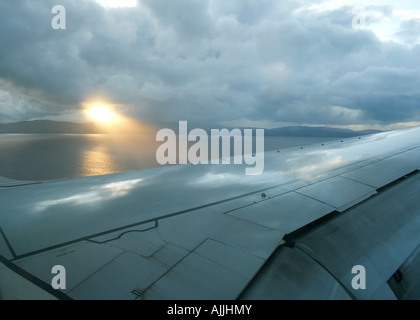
point(48, 126)
point(316, 132)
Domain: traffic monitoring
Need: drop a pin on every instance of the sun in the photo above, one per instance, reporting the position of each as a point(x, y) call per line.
point(101, 114)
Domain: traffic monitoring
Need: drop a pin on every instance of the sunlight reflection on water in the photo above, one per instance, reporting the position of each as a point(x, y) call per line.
point(97, 161)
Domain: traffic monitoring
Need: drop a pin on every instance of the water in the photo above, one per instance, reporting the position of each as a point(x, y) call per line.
point(41, 157)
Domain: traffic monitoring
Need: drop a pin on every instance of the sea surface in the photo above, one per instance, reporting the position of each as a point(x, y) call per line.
point(40, 157)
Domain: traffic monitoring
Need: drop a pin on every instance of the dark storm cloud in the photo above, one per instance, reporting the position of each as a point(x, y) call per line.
point(208, 60)
point(188, 18)
point(383, 93)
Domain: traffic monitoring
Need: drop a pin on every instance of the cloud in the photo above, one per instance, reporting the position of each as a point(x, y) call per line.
point(410, 30)
point(209, 61)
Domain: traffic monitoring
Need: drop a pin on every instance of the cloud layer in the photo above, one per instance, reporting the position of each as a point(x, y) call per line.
point(210, 61)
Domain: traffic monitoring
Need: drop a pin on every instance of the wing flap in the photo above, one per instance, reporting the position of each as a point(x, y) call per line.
point(285, 213)
point(338, 192)
point(385, 171)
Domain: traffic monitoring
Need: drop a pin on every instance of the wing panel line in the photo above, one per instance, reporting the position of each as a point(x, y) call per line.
point(9, 245)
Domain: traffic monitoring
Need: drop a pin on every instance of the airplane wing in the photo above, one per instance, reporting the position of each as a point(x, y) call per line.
point(211, 232)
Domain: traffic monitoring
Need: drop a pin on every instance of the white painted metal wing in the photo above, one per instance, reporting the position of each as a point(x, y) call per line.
point(197, 232)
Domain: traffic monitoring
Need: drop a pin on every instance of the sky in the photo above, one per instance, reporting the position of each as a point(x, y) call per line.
point(256, 63)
